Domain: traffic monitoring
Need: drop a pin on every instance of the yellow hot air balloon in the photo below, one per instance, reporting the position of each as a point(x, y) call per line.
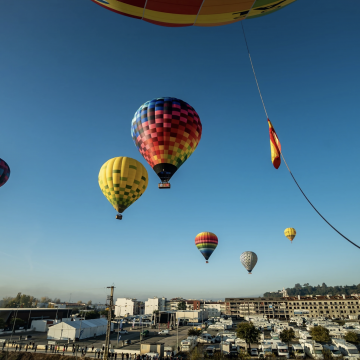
point(122, 180)
point(290, 233)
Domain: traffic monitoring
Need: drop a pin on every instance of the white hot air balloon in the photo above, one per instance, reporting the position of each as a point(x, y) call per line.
point(249, 260)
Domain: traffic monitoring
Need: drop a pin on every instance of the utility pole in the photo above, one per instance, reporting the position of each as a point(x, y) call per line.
point(108, 330)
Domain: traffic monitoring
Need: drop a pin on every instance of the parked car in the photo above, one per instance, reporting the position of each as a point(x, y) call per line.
point(123, 332)
point(145, 333)
point(164, 332)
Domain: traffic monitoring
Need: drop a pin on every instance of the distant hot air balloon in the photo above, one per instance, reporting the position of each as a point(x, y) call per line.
point(206, 242)
point(249, 260)
point(122, 180)
point(290, 233)
point(195, 12)
point(4, 172)
point(166, 131)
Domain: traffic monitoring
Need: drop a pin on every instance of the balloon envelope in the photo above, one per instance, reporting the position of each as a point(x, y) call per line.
point(249, 260)
point(290, 233)
point(4, 172)
point(122, 180)
point(166, 131)
point(206, 242)
point(193, 12)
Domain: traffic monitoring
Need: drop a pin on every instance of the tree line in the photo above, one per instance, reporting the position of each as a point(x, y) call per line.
point(307, 289)
point(24, 301)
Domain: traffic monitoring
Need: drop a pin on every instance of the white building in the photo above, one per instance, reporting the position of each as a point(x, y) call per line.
point(214, 309)
point(155, 304)
point(78, 329)
point(127, 307)
point(192, 316)
point(41, 325)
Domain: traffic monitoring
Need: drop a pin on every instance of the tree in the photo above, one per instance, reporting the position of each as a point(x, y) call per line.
point(20, 300)
point(57, 301)
point(248, 332)
point(194, 332)
point(243, 355)
point(181, 305)
point(327, 354)
point(45, 299)
point(104, 312)
point(89, 302)
point(90, 315)
point(320, 334)
point(195, 354)
point(352, 337)
point(287, 335)
point(80, 302)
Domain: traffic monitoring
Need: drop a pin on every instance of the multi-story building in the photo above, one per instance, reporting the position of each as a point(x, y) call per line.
point(126, 307)
point(214, 309)
point(155, 304)
point(193, 304)
point(172, 304)
point(286, 307)
point(192, 316)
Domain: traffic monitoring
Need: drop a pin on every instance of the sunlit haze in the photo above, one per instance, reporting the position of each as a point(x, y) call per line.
point(72, 76)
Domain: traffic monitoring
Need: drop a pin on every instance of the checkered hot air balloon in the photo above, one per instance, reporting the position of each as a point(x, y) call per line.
point(290, 233)
point(166, 131)
point(206, 242)
point(249, 260)
point(4, 172)
point(176, 13)
point(122, 180)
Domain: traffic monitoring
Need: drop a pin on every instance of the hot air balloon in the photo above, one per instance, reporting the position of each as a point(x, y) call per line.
point(166, 131)
point(249, 260)
point(290, 233)
point(4, 172)
point(195, 12)
point(122, 180)
point(206, 242)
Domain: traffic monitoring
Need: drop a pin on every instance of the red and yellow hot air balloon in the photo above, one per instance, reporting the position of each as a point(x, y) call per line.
point(206, 242)
point(176, 13)
point(166, 131)
point(290, 233)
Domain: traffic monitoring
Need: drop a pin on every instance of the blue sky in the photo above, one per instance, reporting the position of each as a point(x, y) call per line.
point(73, 74)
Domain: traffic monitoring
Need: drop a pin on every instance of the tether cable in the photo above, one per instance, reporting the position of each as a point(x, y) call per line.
point(262, 100)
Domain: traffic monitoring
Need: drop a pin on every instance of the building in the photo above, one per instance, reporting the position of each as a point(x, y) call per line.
point(192, 316)
point(71, 330)
point(287, 307)
point(172, 304)
point(155, 304)
point(56, 306)
point(128, 307)
point(214, 309)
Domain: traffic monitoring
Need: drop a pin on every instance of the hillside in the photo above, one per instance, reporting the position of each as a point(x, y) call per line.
point(323, 289)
